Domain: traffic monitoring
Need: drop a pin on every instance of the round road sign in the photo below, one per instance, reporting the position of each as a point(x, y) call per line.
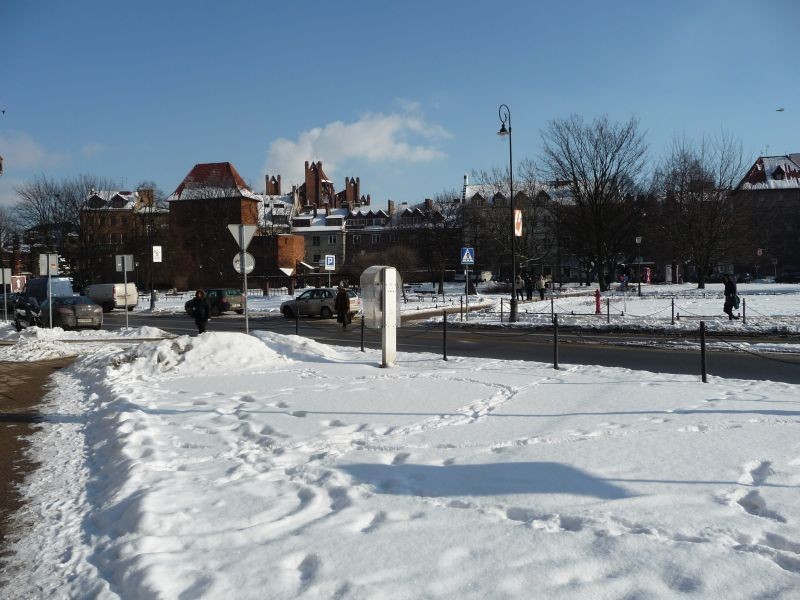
point(249, 263)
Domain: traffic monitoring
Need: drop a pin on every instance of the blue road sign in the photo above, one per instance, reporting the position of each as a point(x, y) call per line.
point(467, 256)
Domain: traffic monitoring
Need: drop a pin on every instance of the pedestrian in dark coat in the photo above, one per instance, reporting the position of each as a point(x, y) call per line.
point(528, 287)
point(730, 297)
point(200, 309)
point(342, 306)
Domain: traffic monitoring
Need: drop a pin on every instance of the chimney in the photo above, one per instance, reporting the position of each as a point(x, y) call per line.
point(391, 208)
point(428, 204)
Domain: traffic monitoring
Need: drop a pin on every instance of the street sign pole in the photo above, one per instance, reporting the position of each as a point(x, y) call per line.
point(49, 292)
point(5, 295)
point(125, 279)
point(243, 262)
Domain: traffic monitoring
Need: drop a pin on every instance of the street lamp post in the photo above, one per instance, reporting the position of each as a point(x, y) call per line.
point(505, 117)
point(639, 262)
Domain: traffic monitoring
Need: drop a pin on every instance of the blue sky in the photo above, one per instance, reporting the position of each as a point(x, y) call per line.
point(404, 95)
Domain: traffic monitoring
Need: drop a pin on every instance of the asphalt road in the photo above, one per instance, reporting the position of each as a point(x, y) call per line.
point(613, 350)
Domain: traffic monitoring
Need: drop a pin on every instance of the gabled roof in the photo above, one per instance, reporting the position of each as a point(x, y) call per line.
point(772, 173)
point(212, 180)
point(111, 200)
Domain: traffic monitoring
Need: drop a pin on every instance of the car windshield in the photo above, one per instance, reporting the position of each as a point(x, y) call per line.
point(304, 296)
point(352, 294)
point(233, 292)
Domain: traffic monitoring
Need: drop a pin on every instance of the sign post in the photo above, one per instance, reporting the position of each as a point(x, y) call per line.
point(467, 259)
point(48, 264)
point(330, 265)
point(243, 234)
point(6, 273)
point(125, 264)
point(156, 258)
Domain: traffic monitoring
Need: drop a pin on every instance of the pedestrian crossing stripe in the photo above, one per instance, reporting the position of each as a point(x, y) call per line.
point(467, 256)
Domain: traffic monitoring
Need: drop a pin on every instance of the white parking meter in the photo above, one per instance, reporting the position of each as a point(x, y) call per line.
point(381, 307)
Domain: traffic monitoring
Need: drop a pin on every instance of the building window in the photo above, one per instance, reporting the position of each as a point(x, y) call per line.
point(332, 239)
point(376, 238)
point(356, 240)
point(315, 241)
point(317, 259)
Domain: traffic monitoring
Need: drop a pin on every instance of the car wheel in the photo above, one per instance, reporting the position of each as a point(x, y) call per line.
point(326, 313)
point(107, 307)
point(97, 327)
point(239, 312)
point(288, 312)
point(215, 311)
point(130, 308)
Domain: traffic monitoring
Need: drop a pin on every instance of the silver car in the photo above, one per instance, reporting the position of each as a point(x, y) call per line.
point(72, 312)
point(318, 302)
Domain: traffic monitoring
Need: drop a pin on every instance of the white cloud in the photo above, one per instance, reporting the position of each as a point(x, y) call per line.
point(375, 137)
point(8, 197)
point(92, 148)
point(20, 151)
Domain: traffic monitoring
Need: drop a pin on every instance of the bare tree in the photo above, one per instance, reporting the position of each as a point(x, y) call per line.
point(488, 227)
point(441, 234)
point(699, 217)
point(601, 163)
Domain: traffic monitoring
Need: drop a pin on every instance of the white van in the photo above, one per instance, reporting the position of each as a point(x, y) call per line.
point(113, 295)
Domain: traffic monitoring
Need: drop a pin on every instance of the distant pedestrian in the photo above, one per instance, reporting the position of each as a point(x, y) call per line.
point(342, 306)
point(519, 286)
point(200, 310)
point(540, 286)
point(528, 287)
point(730, 297)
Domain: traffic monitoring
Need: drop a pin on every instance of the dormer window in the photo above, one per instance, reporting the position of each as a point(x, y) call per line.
point(778, 173)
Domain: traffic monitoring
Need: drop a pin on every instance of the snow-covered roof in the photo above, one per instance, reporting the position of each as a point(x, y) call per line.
point(111, 200)
point(208, 181)
point(773, 173)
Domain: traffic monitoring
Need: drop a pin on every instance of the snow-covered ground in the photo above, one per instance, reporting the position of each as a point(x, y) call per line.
point(269, 466)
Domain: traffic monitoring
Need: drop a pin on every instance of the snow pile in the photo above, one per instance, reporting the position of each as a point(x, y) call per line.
point(311, 472)
point(207, 354)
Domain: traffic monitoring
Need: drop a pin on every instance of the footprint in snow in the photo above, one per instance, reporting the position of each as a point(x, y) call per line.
point(756, 472)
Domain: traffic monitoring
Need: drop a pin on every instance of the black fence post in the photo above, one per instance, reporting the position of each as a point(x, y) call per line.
point(362, 332)
point(555, 342)
point(501, 310)
point(673, 311)
point(744, 311)
point(552, 308)
point(461, 310)
point(703, 351)
point(444, 335)
point(608, 310)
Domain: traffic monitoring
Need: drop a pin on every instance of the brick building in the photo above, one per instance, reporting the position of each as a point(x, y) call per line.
point(770, 193)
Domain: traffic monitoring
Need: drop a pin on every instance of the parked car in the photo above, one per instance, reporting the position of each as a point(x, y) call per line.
point(72, 312)
point(222, 300)
point(318, 302)
point(37, 288)
point(788, 277)
point(113, 295)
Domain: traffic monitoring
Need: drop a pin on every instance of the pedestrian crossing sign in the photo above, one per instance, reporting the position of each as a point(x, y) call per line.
point(467, 256)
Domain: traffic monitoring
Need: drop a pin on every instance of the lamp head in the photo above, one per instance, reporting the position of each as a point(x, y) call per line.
point(503, 131)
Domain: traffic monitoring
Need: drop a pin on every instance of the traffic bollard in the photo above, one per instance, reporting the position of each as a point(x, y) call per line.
point(597, 301)
point(555, 342)
point(362, 333)
point(444, 335)
point(703, 351)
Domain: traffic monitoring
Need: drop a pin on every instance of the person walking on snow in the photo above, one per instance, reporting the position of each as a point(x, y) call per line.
point(540, 286)
point(518, 287)
point(200, 310)
point(342, 306)
point(730, 297)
